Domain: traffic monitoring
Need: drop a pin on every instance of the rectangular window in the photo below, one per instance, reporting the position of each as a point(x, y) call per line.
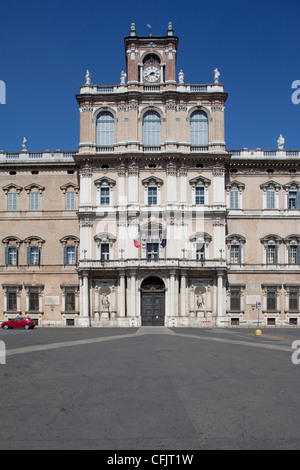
point(12, 256)
point(235, 257)
point(293, 200)
point(11, 300)
point(199, 195)
point(33, 301)
point(293, 299)
point(200, 253)
point(104, 251)
point(270, 199)
point(70, 301)
point(34, 201)
point(12, 199)
point(294, 253)
point(33, 255)
point(152, 250)
point(272, 254)
point(104, 196)
point(271, 299)
point(70, 255)
point(234, 199)
point(152, 195)
point(235, 300)
point(70, 201)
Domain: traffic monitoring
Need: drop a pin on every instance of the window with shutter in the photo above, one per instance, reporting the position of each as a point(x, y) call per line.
point(199, 128)
point(70, 201)
point(234, 199)
point(105, 128)
point(12, 199)
point(104, 196)
point(271, 299)
point(235, 300)
point(34, 201)
point(199, 195)
point(151, 129)
point(235, 254)
point(152, 195)
point(270, 199)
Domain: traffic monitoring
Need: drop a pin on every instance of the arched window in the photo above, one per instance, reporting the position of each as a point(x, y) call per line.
point(151, 128)
point(105, 129)
point(199, 128)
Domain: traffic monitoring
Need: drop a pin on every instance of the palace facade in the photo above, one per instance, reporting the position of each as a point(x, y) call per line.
point(152, 221)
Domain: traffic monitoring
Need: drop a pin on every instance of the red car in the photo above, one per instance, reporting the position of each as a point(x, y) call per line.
point(19, 322)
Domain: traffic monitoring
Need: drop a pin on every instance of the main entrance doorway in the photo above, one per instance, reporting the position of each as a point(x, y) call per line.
point(153, 302)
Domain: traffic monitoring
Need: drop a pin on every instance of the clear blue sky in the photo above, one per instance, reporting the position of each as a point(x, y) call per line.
point(46, 47)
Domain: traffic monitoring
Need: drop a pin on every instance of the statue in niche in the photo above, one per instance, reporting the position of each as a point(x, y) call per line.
point(200, 302)
point(105, 303)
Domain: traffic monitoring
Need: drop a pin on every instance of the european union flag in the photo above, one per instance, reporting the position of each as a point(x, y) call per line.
point(164, 240)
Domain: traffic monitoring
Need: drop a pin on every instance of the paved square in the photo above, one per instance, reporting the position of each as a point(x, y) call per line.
point(149, 388)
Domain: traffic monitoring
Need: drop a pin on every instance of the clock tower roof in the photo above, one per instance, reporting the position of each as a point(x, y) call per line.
point(157, 52)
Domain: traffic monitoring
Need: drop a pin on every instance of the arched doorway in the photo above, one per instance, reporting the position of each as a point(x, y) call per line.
point(153, 302)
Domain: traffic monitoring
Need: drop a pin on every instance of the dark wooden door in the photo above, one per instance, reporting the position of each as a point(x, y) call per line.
point(153, 308)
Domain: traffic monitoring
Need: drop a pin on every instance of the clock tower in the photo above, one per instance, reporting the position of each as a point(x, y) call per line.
point(151, 61)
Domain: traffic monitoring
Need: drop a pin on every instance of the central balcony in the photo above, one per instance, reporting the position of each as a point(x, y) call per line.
point(160, 263)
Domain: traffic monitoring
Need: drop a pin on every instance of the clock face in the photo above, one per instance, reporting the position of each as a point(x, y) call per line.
point(151, 73)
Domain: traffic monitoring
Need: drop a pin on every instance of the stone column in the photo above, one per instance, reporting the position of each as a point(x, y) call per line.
point(113, 301)
point(97, 303)
point(84, 319)
point(220, 298)
point(171, 182)
point(172, 294)
point(192, 301)
point(122, 295)
point(183, 287)
point(133, 180)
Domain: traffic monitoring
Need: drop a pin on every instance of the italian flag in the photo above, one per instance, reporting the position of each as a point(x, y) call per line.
point(137, 240)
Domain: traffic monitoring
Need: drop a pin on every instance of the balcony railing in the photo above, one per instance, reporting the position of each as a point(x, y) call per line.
point(42, 157)
point(160, 263)
point(267, 154)
point(181, 87)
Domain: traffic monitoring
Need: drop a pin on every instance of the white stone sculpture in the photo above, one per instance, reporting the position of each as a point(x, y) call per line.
point(24, 145)
point(216, 76)
point(87, 78)
point(280, 142)
point(181, 77)
point(122, 78)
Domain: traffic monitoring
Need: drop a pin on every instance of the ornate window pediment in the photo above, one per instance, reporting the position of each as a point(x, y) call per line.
point(235, 239)
point(292, 240)
point(201, 237)
point(271, 240)
point(105, 237)
point(105, 181)
point(12, 241)
point(12, 186)
point(292, 186)
point(235, 185)
point(200, 181)
point(33, 186)
point(270, 185)
point(70, 240)
point(34, 241)
point(152, 181)
point(68, 186)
